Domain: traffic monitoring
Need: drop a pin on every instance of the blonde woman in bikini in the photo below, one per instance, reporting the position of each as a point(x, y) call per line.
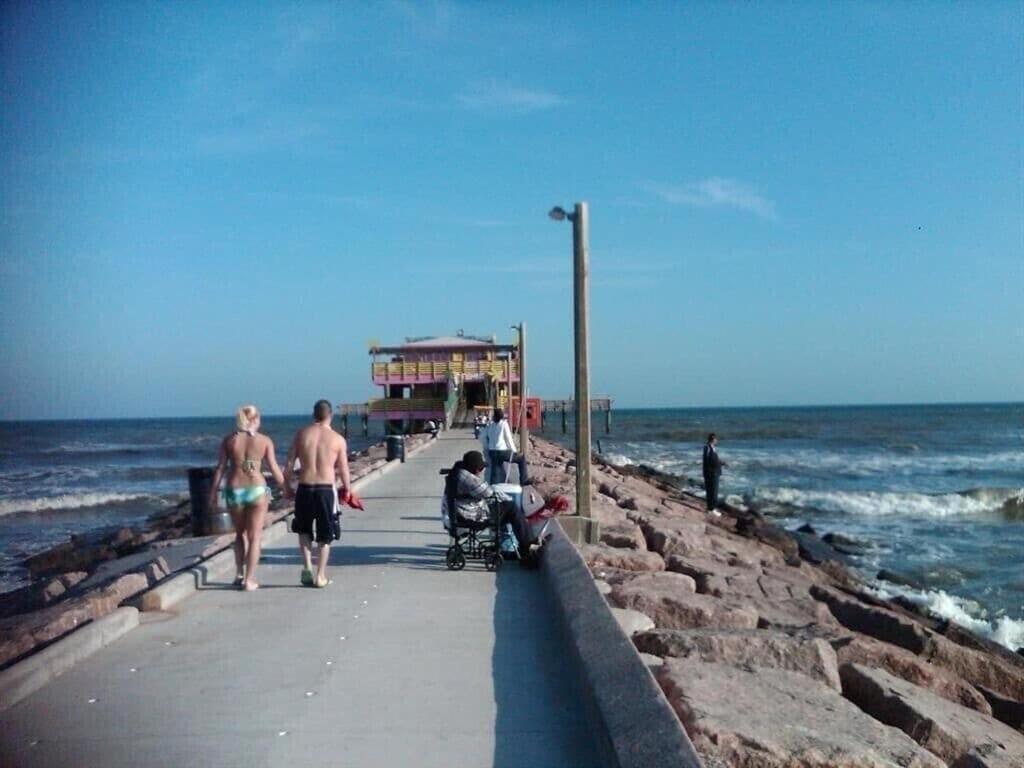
point(246, 494)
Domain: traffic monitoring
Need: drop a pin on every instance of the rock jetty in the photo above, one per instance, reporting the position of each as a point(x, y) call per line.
point(772, 652)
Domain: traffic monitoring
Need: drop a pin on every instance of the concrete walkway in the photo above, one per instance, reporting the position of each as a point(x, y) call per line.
point(398, 663)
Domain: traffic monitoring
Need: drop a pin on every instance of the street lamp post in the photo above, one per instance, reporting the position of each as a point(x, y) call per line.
point(524, 427)
point(581, 318)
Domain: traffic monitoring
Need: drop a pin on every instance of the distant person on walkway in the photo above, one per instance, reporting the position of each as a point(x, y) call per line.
point(472, 496)
point(246, 493)
point(432, 428)
point(323, 460)
point(500, 445)
point(712, 471)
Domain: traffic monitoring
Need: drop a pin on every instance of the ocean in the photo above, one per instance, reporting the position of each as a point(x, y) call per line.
point(935, 492)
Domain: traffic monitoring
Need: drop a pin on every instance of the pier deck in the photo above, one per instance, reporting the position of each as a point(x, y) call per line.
point(398, 663)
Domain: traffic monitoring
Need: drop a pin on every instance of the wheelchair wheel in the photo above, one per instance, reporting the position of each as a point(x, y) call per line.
point(455, 559)
point(492, 560)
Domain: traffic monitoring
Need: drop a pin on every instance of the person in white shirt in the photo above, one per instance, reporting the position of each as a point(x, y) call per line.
point(499, 445)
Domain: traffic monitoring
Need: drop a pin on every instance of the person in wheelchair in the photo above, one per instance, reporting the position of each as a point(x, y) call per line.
point(473, 497)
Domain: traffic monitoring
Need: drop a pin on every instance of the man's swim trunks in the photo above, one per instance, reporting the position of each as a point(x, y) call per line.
point(314, 513)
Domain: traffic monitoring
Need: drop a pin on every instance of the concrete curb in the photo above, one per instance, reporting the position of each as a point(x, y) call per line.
point(28, 676)
point(633, 723)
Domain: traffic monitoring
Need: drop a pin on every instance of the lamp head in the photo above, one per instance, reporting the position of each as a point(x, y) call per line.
point(558, 213)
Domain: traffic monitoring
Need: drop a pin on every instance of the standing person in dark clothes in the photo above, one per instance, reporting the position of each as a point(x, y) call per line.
point(712, 471)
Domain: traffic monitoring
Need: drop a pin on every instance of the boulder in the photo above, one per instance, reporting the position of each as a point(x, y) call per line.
point(22, 633)
point(668, 535)
point(601, 555)
point(602, 586)
point(631, 621)
point(815, 550)
point(72, 578)
point(707, 573)
point(1005, 709)
point(978, 667)
point(808, 655)
point(105, 600)
point(155, 570)
point(775, 537)
point(896, 661)
point(675, 605)
point(53, 590)
point(651, 661)
point(880, 623)
point(625, 535)
point(741, 552)
point(947, 730)
point(771, 718)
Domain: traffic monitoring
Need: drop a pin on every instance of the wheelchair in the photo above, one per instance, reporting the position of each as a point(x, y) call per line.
point(472, 539)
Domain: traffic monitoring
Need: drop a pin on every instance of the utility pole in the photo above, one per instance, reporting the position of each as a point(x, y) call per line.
point(581, 288)
point(524, 428)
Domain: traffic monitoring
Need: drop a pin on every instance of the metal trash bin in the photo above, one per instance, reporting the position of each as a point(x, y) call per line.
point(205, 521)
point(395, 447)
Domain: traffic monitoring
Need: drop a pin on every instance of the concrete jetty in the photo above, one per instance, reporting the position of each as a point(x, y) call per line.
point(398, 662)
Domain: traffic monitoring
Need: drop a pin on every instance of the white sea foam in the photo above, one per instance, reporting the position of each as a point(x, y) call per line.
point(967, 613)
point(67, 501)
point(982, 501)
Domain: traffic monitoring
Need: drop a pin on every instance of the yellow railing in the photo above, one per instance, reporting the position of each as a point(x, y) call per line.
point(400, 405)
point(497, 369)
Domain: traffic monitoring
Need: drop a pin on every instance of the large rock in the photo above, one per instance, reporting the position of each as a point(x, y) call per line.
point(667, 535)
point(710, 575)
point(1005, 709)
point(942, 727)
point(869, 652)
point(601, 555)
point(103, 601)
point(978, 667)
point(808, 655)
point(631, 621)
point(670, 599)
point(624, 535)
point(22, 633)
point(880, 623)
point(770, 718)
point(738, 551)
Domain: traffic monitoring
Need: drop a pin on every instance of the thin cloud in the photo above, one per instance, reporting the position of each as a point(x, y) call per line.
point(717, 192)
point(494, 96)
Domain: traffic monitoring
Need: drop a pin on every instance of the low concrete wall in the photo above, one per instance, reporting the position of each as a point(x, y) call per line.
point(633, 723)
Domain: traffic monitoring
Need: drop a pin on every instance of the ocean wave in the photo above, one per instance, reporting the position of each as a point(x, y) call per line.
point(1006, 502)
point(69, 501)
point(189, 442)
point(1004, 630)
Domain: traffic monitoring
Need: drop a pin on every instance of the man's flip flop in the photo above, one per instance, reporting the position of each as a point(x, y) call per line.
point(239, 581)
point(306, 579)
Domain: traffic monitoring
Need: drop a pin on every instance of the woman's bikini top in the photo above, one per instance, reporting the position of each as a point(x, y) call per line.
point(249, 466)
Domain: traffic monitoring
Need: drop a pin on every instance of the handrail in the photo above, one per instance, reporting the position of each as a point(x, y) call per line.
point(497, 368)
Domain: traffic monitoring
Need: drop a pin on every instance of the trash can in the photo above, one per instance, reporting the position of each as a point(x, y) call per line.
point(396, 447)
point(205, 521)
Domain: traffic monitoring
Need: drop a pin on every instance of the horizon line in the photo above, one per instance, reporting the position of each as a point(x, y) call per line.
point(228, 415)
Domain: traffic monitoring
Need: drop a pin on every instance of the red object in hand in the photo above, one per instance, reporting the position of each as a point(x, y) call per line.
point(551, 507)
point(350, 498)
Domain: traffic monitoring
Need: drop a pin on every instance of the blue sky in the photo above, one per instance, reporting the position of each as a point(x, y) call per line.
point(204, 204)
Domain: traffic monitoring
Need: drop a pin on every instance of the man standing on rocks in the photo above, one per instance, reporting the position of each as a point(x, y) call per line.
point(323, 459)
point(712, 471)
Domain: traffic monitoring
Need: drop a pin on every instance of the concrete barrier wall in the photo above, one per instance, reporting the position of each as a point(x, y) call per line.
point(633, 723)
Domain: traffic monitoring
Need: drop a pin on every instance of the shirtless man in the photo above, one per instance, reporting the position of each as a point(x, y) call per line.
point(323, 461)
